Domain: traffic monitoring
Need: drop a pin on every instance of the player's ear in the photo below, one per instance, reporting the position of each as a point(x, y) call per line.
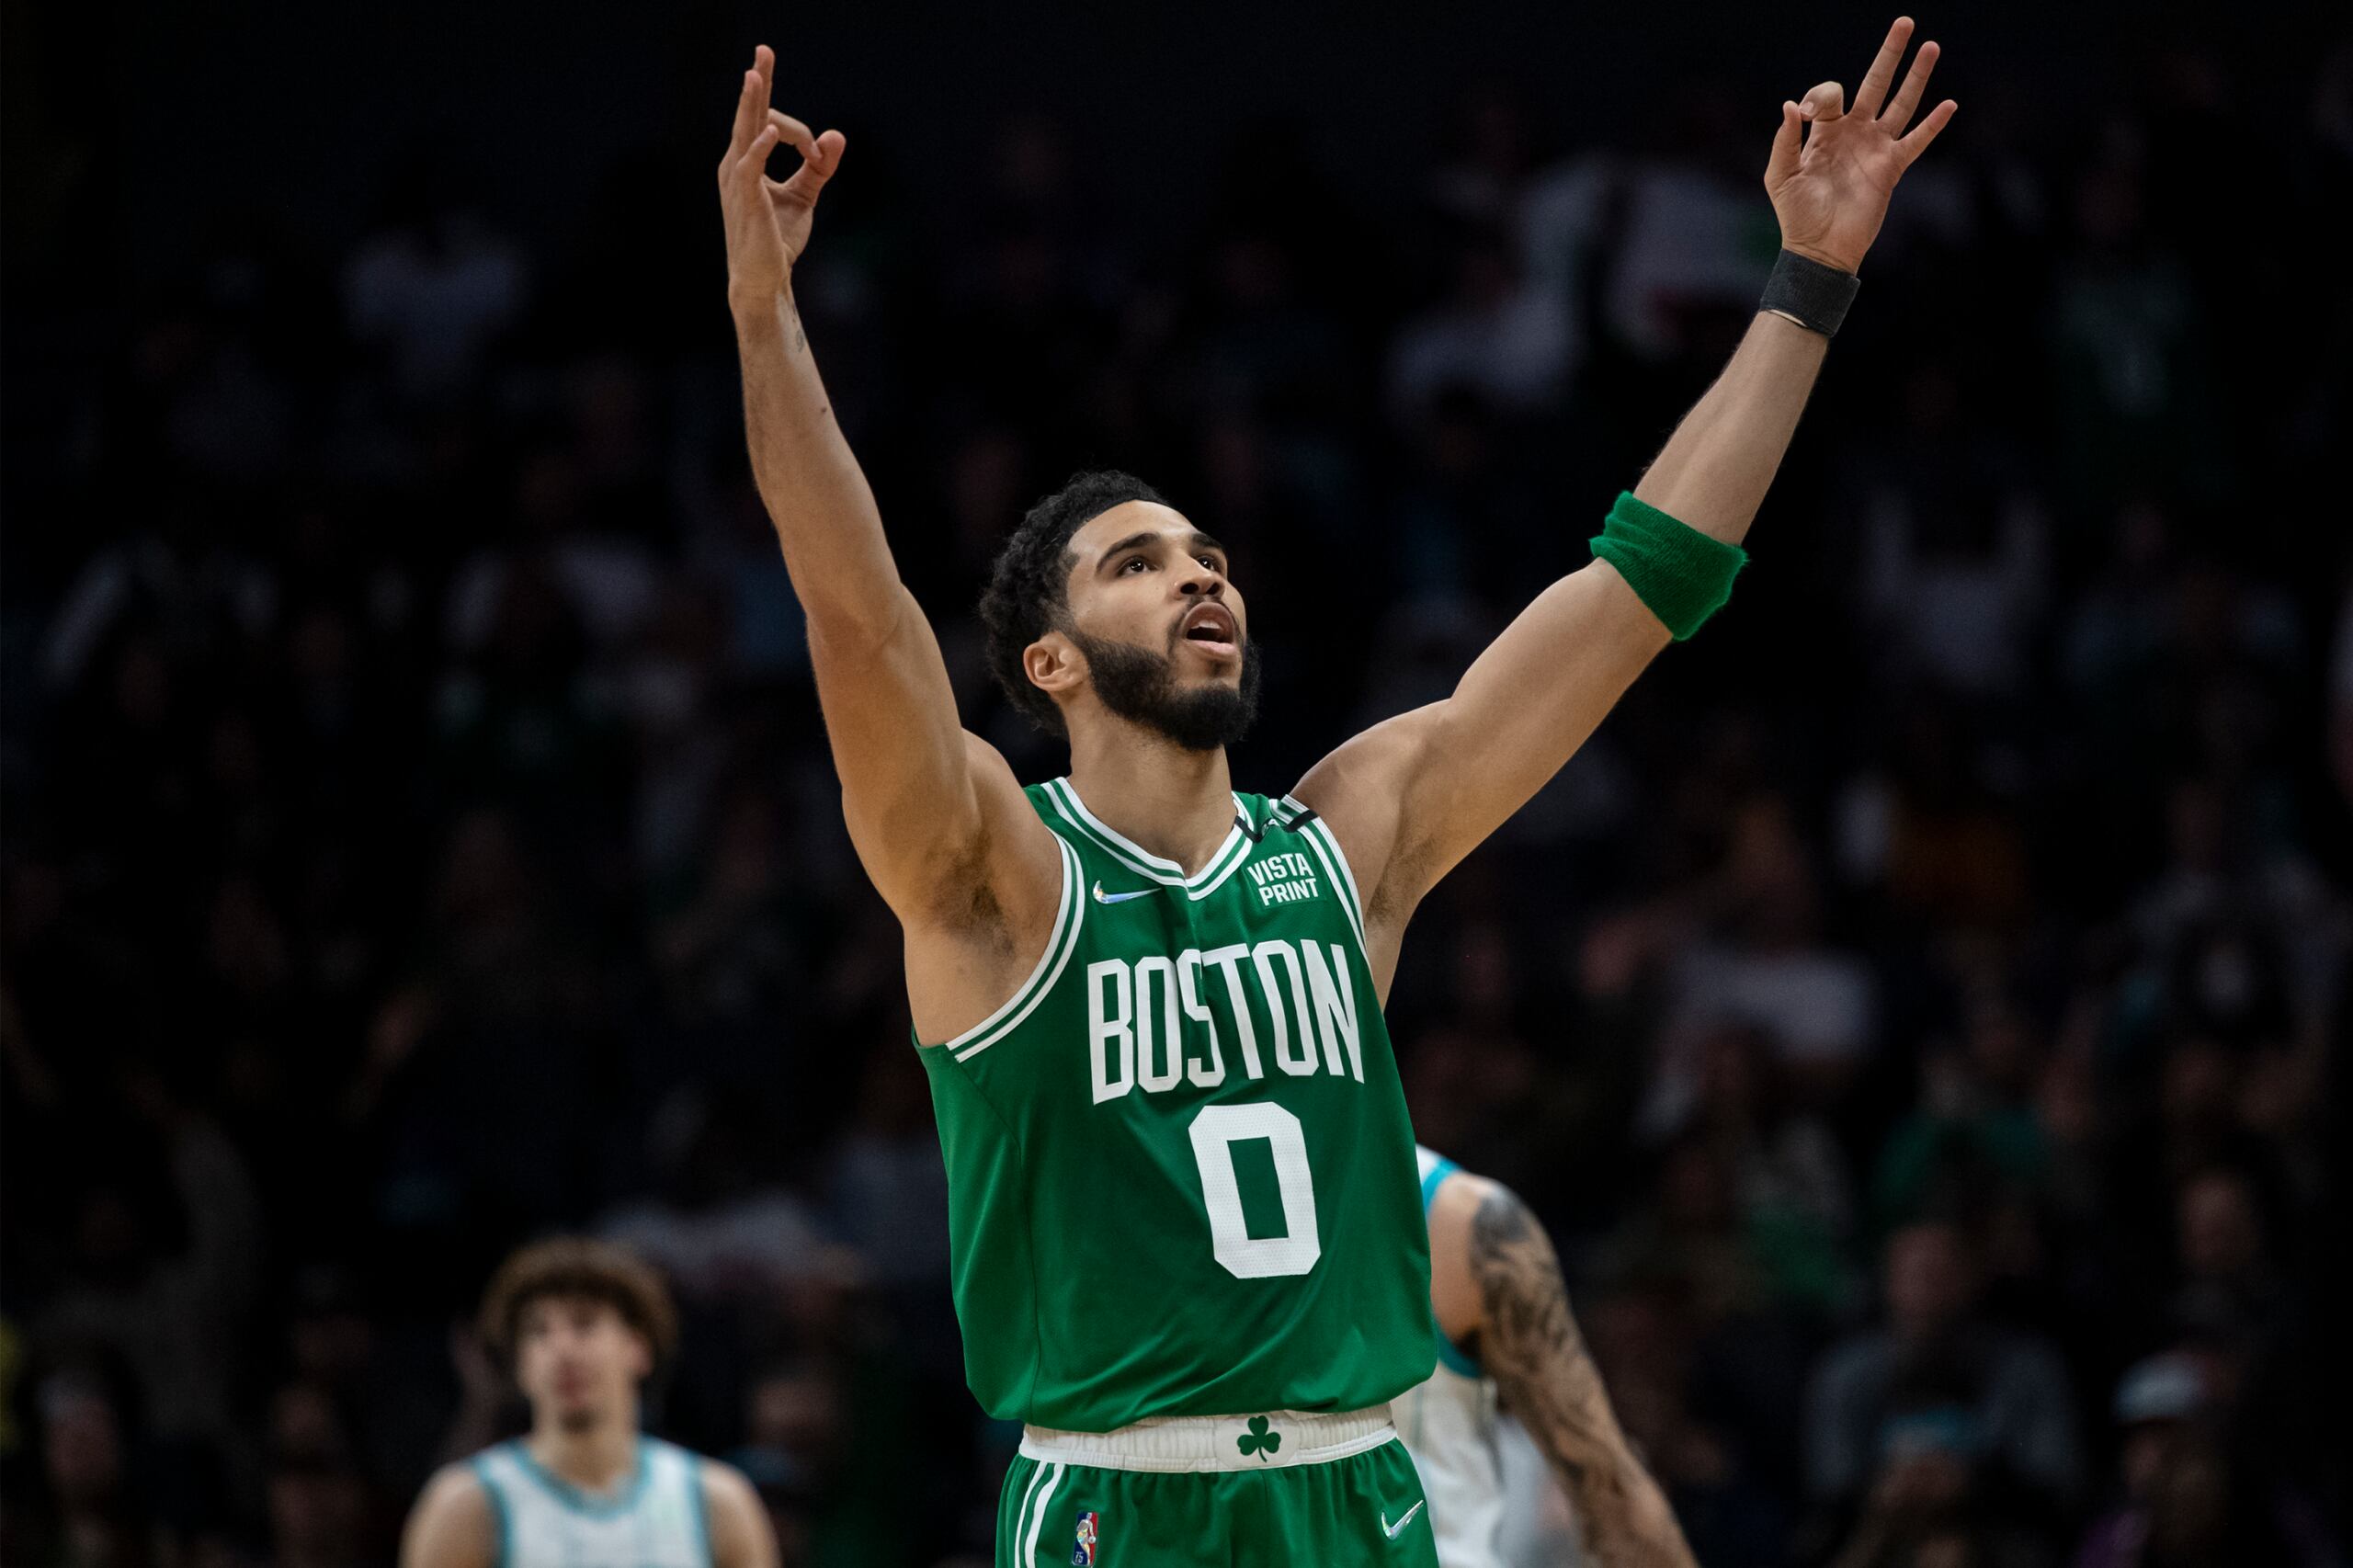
point(1053, 664)
point(641, 1360)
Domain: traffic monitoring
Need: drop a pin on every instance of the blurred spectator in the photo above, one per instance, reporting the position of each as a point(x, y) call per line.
point(1763, 962)
point(1927, 1508)
point(2127, 349)
point(1797, 1204)
point(1494, 334)
point(1696, 235)
point(1941, 1385)
point(800, 1451)
point(1927, 828)
point(433, 286)
point(2243, 940)
point(1641, 1341)
point(1954, 563)
point(1977, 1136)
point(888, 1186)
point(167, 1287)
point(99, 1520)
point(319, 1501)
point(712, 1224)
point(2185, 1502)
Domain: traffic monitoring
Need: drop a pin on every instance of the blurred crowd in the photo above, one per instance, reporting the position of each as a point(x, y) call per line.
point(1917, 1013)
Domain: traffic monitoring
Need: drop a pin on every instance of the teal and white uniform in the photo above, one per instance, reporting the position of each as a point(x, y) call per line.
point(543, 1522)
point(1451, 1427)
point(1186, 1247)
point(1492, 1492)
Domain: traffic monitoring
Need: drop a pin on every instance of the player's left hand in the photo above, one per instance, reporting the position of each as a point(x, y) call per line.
point(1830, 185)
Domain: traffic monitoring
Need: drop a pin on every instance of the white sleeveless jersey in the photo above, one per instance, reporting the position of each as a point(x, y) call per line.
point(543, 1522)
point(1450, 1426)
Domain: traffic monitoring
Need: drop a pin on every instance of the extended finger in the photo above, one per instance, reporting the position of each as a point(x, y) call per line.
point(751, 98)
point(1916, 82)
point(1824, 103)
point(1875, 82)
point(1914, 145)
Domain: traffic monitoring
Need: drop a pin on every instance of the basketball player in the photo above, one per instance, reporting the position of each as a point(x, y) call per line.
point(1187, 1251)
point(582, 1325)
point(1504, 1329)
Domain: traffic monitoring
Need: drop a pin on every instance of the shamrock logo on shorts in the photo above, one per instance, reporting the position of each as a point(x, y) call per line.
point(1259, 1440)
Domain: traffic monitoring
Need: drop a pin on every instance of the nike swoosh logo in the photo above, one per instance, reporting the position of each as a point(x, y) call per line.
point(1391, 1530)
point(1102, 897)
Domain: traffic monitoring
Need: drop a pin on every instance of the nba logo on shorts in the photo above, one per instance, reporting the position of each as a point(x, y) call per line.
point(1083, 1554)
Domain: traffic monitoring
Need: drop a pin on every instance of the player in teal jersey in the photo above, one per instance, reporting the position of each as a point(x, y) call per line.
point(581, 1324)
point(1508, 1342)
point(1188, 1248)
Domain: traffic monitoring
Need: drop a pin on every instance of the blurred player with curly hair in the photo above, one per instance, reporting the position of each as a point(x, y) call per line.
point(581, 1326)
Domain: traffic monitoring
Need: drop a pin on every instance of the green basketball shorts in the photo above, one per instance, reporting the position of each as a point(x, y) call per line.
point(1285, 1489)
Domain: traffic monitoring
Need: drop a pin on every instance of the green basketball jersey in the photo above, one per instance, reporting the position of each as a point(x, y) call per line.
point(1181, 1179)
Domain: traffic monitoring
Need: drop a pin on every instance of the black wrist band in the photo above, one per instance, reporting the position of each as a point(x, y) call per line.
point(1807, 293)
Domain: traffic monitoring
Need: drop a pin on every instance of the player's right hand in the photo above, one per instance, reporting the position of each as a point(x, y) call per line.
point(767, 220)
point(1834, 168)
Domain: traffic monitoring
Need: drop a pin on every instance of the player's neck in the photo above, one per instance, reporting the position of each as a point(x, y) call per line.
point(1174, 802)
point(600, 1459)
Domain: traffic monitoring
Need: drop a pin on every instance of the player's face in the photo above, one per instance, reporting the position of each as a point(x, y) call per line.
point(1164, 633)
point(577, 1360)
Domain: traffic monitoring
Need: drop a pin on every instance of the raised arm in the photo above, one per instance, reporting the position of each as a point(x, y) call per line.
point(934, 813)
point(1497, 1287)
point(1410, 797)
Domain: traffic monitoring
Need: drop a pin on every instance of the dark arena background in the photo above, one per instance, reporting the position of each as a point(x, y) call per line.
point(419, 833)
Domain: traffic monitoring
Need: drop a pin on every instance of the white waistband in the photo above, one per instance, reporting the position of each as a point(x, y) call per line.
point(1217, 1442)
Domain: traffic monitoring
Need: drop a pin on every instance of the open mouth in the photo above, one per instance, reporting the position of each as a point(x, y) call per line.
point(1211, 627)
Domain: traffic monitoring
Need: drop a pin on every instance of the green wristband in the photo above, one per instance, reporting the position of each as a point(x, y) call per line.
point(1681, 574)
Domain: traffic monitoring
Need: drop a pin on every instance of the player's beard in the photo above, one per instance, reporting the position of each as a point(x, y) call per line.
point(1140, 686)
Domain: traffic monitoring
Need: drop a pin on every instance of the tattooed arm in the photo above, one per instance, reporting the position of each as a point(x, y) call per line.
point(1498, 1291)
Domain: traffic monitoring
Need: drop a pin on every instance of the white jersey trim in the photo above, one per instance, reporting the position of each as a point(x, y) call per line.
point(1326, 844)
point(1142, 862)
point(1240, 815)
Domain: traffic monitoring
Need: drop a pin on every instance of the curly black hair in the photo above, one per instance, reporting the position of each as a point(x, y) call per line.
point(578, 1265)
point(1028, 589)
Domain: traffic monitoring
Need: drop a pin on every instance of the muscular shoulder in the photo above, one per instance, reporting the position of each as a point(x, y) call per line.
point(454, 1524)
point(741, 1535)
point(1008, 865)
point(1354, 790)
point(1488, 1255)
point(1359, 791)
point(985, 910)
point(946, 850)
